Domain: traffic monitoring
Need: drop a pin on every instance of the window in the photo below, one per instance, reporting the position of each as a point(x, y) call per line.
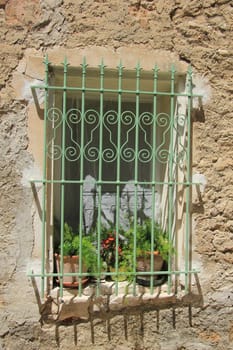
point(117, 151)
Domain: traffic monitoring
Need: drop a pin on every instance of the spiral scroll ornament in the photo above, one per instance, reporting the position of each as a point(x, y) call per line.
point(92, 117)
point(73, 118)
point(109, 152)
point(54, 120)
point(163, 121)
point(146, 151)
point(128, 122)
point(92, 122)
point(54, 115)
point(128, 119)
point(54, 152)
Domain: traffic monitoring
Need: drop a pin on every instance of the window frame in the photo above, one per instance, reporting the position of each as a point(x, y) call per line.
point(186, 95)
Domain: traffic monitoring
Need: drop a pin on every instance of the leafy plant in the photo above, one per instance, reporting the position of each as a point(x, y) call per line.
point(149, 237)
point(109, 250)
point(71, 246)
point(139, 235)
point(108, 246)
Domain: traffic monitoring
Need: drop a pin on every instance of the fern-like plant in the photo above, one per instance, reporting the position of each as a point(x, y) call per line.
point(149, 237)
point(72, 246)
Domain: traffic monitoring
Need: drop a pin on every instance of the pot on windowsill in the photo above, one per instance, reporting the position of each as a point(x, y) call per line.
point(144, 265)
point(70, 265)
point(150, 235)
point(72, 247)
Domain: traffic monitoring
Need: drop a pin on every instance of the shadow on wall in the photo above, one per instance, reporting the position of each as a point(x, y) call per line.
point(75, 309)
point(144, 198)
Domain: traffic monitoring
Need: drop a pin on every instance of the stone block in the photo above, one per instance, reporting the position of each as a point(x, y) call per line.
point(22, 12)
point(35, 67)
point(74, 307)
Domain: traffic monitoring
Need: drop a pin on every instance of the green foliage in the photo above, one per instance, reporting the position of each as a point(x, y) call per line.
point(88, 252)
point(71, 246)
point(109, 252)
point(149, 236)
point(108, 245)
point(139, 236)
point(68, 238)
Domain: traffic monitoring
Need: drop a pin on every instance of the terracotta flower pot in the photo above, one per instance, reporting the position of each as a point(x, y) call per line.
point(143, 265)
point(70, 265)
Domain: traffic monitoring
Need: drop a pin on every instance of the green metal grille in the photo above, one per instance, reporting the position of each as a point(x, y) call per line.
point(117, 152)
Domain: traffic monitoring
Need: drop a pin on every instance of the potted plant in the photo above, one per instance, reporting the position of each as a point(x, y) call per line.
point(156, 246)
point(71, 249)
point(109, 249)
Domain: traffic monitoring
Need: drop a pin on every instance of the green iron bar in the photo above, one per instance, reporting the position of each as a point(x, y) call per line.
point(101, 106)
point(120, 273)
point(106, 90)
point(187, 219)
point(118, 171)
point(64, 101)
point(170, 170)
point(137, 102)
point(81, 171)
point(153, 183)
point(153, 175)
point(46, 62)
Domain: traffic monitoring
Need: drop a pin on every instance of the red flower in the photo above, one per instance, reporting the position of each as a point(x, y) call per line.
point(108, 251)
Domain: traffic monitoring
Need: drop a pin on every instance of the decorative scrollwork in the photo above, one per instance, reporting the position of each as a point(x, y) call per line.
point(91, 117)
point(110, 118)
point(128, 118)
point(145, 153)
point(92, 120)
point(73, 116)
point(72, 151)
point(54, 118)
point(146, 118)
point(128, 121)
point(91, 153)
point(54, 152)
point(181, 119)
point(163, 121)
point(54, 115)
point(162, 155)
point(127, 154)
point(109, 154)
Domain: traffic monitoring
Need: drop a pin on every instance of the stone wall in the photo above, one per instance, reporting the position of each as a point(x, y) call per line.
point(198, 32)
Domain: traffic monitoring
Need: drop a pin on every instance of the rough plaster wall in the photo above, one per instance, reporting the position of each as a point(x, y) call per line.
point(200, 32)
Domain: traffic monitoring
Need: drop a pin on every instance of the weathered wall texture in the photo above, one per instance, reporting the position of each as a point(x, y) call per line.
point(199, 32)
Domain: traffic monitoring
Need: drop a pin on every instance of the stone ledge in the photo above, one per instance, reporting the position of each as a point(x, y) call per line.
point(107, 305)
